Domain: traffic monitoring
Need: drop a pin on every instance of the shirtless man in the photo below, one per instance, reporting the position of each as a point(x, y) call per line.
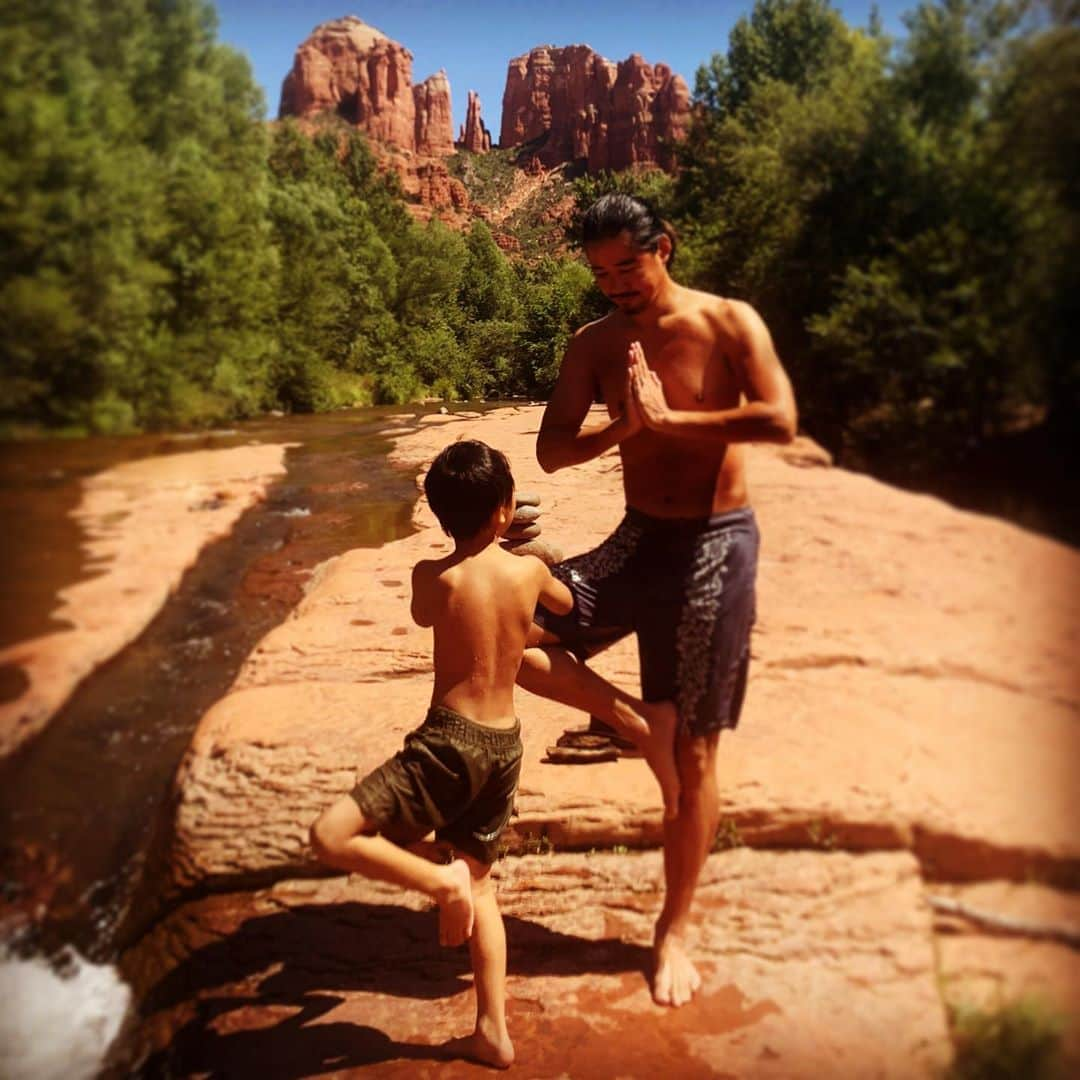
point(687, 378)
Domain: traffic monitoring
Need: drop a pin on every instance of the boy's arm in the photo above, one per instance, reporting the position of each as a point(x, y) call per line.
point(554, 595)
point(420, 608)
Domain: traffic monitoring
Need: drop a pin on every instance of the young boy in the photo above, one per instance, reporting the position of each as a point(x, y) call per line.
point(458, 771)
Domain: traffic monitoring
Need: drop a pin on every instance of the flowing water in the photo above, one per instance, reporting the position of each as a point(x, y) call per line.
point(79, 801)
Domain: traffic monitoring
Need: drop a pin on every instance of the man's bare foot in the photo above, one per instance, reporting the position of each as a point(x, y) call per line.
point(456, 905)
point(675, 979)
point(483, 1045)
point(659, 750)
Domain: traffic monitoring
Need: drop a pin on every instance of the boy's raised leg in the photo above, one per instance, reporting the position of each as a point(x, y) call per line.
point(553, 672)
point(490, 1041)
point(344, 839)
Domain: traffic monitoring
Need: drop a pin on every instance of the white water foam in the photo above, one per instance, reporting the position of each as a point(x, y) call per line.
point(58, 1026)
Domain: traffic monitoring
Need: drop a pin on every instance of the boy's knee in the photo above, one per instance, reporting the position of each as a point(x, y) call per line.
point(319, 838)
point(326, 837)
point(480, 876)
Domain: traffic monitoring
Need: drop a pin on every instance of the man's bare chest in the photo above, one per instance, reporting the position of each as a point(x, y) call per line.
point(695, 372)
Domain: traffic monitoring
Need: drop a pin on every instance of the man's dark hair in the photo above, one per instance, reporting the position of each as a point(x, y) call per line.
point(617, 213)
point(466, 484)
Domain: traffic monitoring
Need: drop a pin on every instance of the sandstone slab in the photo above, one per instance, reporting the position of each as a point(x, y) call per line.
point(808, 960)
point(145, 523)
point(985, 969)
point(913, 686)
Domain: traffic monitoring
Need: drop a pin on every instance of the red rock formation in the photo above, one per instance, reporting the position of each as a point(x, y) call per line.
point(348, 67)
point(586, 108)
point(431, 183)
point(474, 136)
point(434, 134)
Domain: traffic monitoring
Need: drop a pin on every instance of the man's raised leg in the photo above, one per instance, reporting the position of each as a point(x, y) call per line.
point(344, 839)
point(490, 1041)
point(688, 839)
point(553, 672)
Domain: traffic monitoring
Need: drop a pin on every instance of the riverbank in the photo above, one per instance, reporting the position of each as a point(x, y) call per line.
point(145, 523)
point(910, 735)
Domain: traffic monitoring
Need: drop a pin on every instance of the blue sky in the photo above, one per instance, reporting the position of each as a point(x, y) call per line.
point(474, 39)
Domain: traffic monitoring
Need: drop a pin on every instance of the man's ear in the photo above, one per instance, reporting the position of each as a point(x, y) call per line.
point(663, 247)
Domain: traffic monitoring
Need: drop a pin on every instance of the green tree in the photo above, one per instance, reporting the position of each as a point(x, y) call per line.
point(129, 159)
point(488, 286)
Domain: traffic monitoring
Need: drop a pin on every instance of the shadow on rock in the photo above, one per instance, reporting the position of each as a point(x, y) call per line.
point(307, 958)
point(288, 1050)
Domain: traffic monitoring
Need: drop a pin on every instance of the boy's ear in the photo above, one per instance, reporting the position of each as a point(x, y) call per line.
point(504, 515)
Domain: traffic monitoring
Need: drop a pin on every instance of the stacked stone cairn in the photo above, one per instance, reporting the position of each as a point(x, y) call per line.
point(523, 536)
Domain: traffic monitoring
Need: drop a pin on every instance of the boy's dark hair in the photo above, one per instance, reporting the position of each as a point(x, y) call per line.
point(617, 213)
point(466, 484)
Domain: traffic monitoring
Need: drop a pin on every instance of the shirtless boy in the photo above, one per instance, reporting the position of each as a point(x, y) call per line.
point(458, 772)
point(687, 378)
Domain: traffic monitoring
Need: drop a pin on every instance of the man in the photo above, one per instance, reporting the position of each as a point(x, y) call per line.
point(688, 378)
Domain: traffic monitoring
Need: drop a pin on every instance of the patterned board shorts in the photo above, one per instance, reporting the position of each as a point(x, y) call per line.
point(685, 586)
point(452, 775)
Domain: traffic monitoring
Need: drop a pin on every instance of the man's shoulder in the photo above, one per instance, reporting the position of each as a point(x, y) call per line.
point(723, 315)
point(598, 330)
point(712, 304)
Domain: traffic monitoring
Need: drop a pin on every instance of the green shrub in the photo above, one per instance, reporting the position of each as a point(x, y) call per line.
point(1020, 1040)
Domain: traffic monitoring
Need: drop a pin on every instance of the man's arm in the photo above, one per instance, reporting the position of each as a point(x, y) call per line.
point(769, 414)
point(561, 441)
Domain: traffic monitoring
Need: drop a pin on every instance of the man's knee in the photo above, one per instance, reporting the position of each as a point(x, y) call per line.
point(697, 761)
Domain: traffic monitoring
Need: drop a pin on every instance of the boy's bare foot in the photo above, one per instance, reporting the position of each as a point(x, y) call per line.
point(675, 979)
point(659, 750)
point(456, 905)
point(483, 1045)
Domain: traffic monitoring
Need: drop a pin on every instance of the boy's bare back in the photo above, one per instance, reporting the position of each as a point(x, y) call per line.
point(480, 606)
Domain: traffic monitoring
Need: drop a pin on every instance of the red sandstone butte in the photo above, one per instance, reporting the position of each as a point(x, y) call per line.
point(434, 117)
point(587, 108)
point(356, 71)
point(474, 136)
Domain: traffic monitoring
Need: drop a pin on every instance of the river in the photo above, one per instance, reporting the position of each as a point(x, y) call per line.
point(78, 803)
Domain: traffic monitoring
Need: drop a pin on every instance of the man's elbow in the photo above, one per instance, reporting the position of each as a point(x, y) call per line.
point(546, 458)
point(785, 426)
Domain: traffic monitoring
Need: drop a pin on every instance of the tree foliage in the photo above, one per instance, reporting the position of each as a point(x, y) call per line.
point(166, 259)
point(900, 213)
point(904, 214)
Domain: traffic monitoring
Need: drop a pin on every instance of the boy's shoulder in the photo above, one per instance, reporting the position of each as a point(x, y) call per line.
point(495, 559)
point(523, 566)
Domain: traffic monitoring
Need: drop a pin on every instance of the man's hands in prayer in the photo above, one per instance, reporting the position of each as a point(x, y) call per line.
point(647, 390)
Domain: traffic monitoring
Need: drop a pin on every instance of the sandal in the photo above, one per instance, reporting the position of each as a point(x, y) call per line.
point(568, 755)
point(598, 734)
